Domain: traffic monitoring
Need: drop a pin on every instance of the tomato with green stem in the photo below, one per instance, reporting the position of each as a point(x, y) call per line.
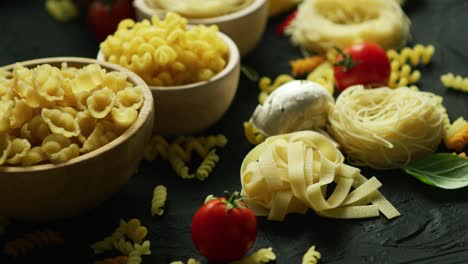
point(363, 63)
point(224, 229)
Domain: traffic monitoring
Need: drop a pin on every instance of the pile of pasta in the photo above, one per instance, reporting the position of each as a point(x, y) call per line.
point(50, 114)
point(293, 172)
point(166, 53)
point(386, 128)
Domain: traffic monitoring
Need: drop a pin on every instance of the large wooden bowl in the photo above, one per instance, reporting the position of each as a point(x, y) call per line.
point(192, 108)
point(50, 191)
point(245, 27)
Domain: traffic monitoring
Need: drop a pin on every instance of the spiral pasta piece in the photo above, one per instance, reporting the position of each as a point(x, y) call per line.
point(287, 173)
point(252, 134)
point(158, 147)
point(401, 75)
point(108, 242)
point(159, 199)
point(419, 54)
point(263, 255)
point(312, 256)
point(136, 231)
point(456, 82)
point(305, 65)
point(207, 165)
point(456, 137)
point(30, 241)
point(323, 74)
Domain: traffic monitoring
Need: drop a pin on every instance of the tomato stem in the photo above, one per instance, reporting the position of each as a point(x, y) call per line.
point(347, 61)
point(232, 200)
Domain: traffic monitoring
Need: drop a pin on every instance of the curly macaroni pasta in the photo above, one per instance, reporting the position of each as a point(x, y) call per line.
point(263, 255)
point(456, 137)
point(312, 256)
point(419, 54)
point(207, 165)
point(159, 199)
point(30, 241)
point(305, 65)
point(456, 82)
point(166, 53)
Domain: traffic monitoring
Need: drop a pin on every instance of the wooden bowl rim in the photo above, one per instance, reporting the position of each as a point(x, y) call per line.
point(254, 6)
point(233, 59)
point(143, 114)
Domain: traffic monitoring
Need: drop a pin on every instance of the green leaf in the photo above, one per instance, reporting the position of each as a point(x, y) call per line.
point(443, 170)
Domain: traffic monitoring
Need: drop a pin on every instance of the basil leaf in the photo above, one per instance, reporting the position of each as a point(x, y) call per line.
point(443, 170)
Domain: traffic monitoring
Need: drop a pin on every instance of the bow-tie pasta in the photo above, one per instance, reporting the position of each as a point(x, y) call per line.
point(52, 114)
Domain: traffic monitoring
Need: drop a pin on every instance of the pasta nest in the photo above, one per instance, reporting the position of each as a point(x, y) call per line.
point(324, 24)
point(384, 128)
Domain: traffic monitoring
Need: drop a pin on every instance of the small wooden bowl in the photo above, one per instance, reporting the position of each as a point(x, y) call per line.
point(192, 108)
point(245, 27)
point(51, 191)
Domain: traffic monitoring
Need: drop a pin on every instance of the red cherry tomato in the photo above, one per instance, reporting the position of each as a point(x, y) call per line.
point(223, 230)
point(104, 16)
point(364, 63)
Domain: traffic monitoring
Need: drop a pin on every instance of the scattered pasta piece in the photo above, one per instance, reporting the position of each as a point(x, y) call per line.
point(267, 87)
point(136, 231)
point(401, 75)
point(417, 55)
point(305, 65)
point(165, 52)
point(113, 260)
point(263, 255)
point(62, 10)
point(253, 135)
point(324, 75)
point(159, 199)
point(456, 137)
point(108, 243)
point(190, 261)
point(455, 82)
point(292, 172)
point(461, 154)
point(207, 165)
point(30, 241)
point(312, 256)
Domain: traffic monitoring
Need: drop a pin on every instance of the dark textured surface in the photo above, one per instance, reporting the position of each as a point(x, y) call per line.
point(433, 227)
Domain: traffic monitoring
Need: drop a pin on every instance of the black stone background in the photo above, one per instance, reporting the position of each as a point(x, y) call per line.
point(433, 227)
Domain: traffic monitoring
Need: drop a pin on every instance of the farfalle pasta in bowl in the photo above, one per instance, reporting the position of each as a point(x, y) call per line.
point(192, 71)
point(244, 21)
point(72, 131)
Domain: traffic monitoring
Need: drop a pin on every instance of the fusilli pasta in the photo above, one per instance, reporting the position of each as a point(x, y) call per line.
point(159, 199)
point(108, 242)
point(312, 256)
point(456, 82)
point(415, 56)
point(456, 137)
point(252, 134)
point(263, 255)
point(136, 231)
point(305, 65)
point(207, 165)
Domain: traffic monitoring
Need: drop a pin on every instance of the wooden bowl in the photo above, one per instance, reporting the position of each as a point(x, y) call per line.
point(51, 191)
point(245, 27)
point(192, 108)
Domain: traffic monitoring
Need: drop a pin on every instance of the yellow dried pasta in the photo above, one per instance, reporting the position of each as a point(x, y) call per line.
point(99, 137)
point(207, 165)
point(19, 149)
point(34, 156)
point(159, 199)
point(252, 134)
point(165, 52)
point(456, 137)
point(312, 256)
point(190, 261)
point(263, 255)
point(60, 122)
point(101, 102)
point(419, 54)
point(456, 82)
